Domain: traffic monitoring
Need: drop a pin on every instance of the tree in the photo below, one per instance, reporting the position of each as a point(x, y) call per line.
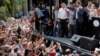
point(10, 7)
point(3, 13)
point(13, 5)
point(1, 2)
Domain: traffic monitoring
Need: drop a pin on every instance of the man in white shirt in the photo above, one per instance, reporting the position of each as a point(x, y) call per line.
point(63, 16)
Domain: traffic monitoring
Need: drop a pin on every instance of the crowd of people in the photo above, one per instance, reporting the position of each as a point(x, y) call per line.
point(66, 20)
point(18, 37)
point(76, 19)
point(22, 37)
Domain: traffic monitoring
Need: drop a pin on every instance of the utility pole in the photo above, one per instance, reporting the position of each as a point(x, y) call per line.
point(31, 5)
point(50, 4)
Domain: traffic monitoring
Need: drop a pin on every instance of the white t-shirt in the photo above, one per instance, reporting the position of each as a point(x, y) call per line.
point(62, 13)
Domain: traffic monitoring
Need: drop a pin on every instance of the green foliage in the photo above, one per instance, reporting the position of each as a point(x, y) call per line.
point(20, 4)
point(3, 13)
point(9, 8)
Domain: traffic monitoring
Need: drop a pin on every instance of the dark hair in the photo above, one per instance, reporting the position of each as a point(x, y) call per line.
point(57, 50)
point(33, 38)
point(90, 1)
point(16, 49)
point(1, 41)
point(33, 5)
point(1, 53)
point(79, 3)
point(9, 50)
point(48, 43)
point(26, 52)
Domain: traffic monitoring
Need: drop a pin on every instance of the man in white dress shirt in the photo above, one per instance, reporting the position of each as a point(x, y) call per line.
point(63, 16)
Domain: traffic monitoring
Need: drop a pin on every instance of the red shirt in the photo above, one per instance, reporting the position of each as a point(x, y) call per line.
point(52, 53)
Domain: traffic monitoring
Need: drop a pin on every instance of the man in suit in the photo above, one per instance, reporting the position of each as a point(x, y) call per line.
point(79, 18)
